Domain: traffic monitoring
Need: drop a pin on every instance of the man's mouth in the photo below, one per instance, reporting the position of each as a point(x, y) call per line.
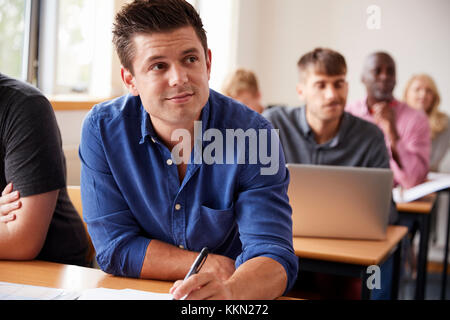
point(181, 97)
point(333, 104)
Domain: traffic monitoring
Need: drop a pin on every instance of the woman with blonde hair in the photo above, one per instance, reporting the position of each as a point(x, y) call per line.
point(421, 93)
point(242, 85)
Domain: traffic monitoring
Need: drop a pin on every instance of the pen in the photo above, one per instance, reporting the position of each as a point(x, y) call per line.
point(198, 263)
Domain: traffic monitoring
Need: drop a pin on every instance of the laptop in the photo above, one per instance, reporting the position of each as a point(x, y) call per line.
point(340, 202)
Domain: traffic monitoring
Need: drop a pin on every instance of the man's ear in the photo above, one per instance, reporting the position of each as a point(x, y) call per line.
point(129, 81)
point(208, 63)
point(363, 78)
point(300, 88)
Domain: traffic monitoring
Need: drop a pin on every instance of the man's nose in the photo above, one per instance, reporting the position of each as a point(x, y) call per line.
point(384, 75)
point(177, 75)
point(330, 92)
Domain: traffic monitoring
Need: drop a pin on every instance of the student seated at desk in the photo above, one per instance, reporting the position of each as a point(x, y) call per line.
point(322, 133)
point(149, 212)
point(37, 219)
point(242, 85)
point(421, 93)
point(406, 130)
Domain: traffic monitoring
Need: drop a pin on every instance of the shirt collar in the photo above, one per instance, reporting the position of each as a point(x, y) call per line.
point(304, 126)
point(146, 126)
point(394, 103)
point(306, 129)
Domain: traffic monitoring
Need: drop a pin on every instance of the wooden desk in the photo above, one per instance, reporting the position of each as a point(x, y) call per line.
point(423, 205)
point(420, 211)
point(74, 278)
point(351, 257)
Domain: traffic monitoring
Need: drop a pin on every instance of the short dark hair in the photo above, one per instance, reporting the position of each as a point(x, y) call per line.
point(324, 61)
point(149, 16)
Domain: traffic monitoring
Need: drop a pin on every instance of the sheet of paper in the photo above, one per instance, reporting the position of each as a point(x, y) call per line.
point(13, 291)
point(437, 181)
point(124, 294)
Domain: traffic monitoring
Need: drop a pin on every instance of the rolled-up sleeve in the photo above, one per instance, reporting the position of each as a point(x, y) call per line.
point(264, 217)
point(117, 238)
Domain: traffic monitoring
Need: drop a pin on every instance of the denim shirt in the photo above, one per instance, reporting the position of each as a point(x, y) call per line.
point(131, 191)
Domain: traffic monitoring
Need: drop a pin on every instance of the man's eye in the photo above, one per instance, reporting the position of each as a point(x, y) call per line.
point(320, 85)
point(191, 59)
point(157, 66)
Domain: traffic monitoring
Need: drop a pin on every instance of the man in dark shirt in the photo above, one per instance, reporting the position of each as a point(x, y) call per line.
point(321, 132)
point(37, 219)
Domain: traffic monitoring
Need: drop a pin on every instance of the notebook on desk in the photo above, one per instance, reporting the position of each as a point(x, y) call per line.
point(340, 202)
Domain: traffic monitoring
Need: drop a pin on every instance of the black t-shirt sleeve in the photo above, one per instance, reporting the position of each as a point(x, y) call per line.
point(33, 150)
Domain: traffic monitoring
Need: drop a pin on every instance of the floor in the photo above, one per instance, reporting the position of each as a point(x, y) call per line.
point(432, 291)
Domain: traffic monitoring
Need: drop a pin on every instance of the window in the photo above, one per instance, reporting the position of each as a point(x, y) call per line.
point(75, 45)
point(75, 49)
point(219, 19)
point(13, 37)
point(75, 52)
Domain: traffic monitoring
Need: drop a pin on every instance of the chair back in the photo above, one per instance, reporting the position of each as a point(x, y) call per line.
point(74, 193)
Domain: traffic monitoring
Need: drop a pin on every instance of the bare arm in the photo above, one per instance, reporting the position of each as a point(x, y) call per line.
point(167, 262)
point(23, 238)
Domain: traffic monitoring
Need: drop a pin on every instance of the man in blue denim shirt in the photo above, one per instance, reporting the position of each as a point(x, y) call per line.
point(152, 202)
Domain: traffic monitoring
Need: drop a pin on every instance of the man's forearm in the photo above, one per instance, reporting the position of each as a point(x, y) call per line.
point(23, 238)
point(258, 278)
point(393, 139)
point(166, 262)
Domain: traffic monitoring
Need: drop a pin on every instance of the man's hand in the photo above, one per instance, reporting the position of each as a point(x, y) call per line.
point(385, 117)
point(209, 283)
point(202, 286)
point(256, 279)
point(9, 202)
point(222, 266)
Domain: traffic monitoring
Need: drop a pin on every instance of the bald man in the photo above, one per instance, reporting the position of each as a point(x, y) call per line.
point(406, 130)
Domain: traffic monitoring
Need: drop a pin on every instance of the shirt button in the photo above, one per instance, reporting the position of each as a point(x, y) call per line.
point(181, 246)
point(169, 162)
point(153, 140)
point(177, 206)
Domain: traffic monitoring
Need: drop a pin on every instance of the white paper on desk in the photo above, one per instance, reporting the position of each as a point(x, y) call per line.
point(14, 291)
point(437, 181)
point(124, 294)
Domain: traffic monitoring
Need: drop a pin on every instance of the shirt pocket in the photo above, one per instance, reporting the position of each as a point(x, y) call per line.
point(212, 228)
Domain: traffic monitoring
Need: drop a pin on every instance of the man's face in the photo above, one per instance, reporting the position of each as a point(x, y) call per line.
point(171, 74)
point(251, 100)
point(379, 77)
point(325, 96)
